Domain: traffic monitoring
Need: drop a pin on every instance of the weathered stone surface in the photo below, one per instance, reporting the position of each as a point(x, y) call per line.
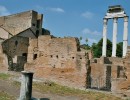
point(16, 49)
point(26, 86)
point(17, 23)
point(58, 59)
point(115, 70)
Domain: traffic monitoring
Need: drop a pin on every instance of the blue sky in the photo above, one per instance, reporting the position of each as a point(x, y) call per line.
point(75, 18)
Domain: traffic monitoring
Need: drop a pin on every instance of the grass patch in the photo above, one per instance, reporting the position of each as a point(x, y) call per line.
point(16, 83)
point(5, 96)
point(4, 76)
point(66, 91)
point(56, 89)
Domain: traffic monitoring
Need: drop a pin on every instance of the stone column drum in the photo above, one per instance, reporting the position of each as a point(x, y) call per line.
point(104, 48)
point(114, 37)
point(26, 86)
point(125, 37)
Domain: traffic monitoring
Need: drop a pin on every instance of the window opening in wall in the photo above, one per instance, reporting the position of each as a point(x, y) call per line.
point(51, 56)
point(33, 24)
point(118, 71)
point(56, 56)
point(37, 33)
point(80, 58)
point(72, 57)
point(24, 54)
point(38, 23)
point(16, 43)
point(34, 56)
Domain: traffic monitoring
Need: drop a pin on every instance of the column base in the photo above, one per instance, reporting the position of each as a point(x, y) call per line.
point(113, 56)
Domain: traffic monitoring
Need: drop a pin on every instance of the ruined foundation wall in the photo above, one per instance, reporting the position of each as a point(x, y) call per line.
point(59, 60)
point(114, 70)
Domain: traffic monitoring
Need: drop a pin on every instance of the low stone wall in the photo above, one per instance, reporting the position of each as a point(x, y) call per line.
point(65, 76)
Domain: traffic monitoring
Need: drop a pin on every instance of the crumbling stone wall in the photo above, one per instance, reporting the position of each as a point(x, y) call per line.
point(58, 59)
point(113, 71)
point(16, 49)
point(122, 83)
point(32, 50)
point(17, 23)
point(4, 34)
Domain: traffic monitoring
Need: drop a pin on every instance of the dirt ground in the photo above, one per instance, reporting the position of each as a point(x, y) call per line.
point(14, 90)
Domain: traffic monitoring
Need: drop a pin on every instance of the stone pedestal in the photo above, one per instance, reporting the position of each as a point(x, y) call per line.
point(26, 86)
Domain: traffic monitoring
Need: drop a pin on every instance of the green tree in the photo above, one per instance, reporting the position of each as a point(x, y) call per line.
point(97, 48)
point(80, 38)
point(119, 49)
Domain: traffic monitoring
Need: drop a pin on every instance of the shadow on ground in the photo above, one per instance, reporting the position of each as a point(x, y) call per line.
point(40, 99)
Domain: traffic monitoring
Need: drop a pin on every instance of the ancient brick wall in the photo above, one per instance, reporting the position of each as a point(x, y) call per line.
point(59, 60)
point(32, 50)
point(4, 34)
point(16, 46)
point(17, 23)
point(27, 33)
point(115, 72)
point(16, 49)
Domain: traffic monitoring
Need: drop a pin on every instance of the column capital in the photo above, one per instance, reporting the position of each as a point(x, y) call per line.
point(105, 20)
point(126, 18)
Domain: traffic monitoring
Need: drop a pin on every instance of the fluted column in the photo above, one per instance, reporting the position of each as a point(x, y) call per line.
point(125, 37)
point(104, 47)
point(114, 37)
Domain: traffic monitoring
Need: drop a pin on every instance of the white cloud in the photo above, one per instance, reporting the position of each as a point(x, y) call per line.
point(87, 15)
point(4, 11)
point(60, 10)
point(91, 35)
point(88, 31)
point(91, 41)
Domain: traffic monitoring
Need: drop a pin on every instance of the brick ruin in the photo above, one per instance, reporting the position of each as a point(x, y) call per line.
point(112, 73)
point(58, 59)
point(28, 46)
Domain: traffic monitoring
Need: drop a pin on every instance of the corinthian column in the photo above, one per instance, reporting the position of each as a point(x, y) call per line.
point(114, 37)
point(125, 37)
point(104, 37)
